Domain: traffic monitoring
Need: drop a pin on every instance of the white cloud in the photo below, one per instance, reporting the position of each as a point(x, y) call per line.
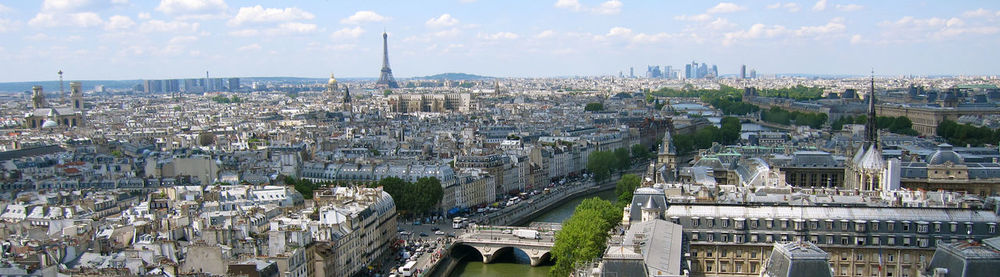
point(144, 16)
point(287, 28)
point(607, 8)
point(726, 7)
point(167, 26)
point(820, 5)
point(6, 24)
point(445, 20)
point(200, 9)
point(632, 37)
point(183, 39)
point(244, 33)
point(63, 5)
point(348, 33)
point(545, 34)
point(790, 7)
point(911, 29)
point(295, 28)
point(572, 5)
point(831, 29)
point(4, 9)
point(447, 33)
point(721, 23)
point(82, 19)
point(249, 47)
point(258, 14)
point(857, 39)
point(849, 7)
point(697, 17)
point(498, 36)
point(364, 16)
point(119, 22)
point(979, 13)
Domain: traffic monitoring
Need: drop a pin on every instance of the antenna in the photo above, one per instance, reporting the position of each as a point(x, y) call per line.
point(62, 92)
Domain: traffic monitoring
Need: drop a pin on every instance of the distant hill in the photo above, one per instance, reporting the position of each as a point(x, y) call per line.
point(454, 76)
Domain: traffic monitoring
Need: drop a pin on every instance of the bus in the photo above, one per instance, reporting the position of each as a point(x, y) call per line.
point(458, 223)
point(407, 270)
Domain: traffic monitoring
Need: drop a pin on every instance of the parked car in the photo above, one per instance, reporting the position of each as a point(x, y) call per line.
point(439, 232)
point(422, 234)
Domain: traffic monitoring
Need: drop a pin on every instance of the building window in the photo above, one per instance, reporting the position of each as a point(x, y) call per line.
point(829, 225)
point(953, 226)
point(922, 228)
point(860, 257)
point(906, 226)
point(892, 241)
point(843, 225)
point(906, 241)
point(784, 224)
point(770, 223)
point(875, 241)
point(725, 223)
point(993, 228)
point(829, 239)
point(891, 225)
point(708, 253)
point(723, 254)
point(937, 227)
point(753, 223)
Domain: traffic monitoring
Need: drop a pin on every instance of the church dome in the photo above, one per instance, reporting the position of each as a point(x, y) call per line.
point(945, 154)
point(332, 82)
point(49, 124)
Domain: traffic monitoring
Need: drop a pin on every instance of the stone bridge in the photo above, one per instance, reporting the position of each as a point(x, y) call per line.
point(490, 241)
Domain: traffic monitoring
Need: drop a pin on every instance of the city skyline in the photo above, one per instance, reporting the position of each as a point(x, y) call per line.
point(120, 39)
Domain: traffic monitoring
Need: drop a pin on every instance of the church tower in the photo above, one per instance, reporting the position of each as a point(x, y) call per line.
point(38, 98)
point(76, 96)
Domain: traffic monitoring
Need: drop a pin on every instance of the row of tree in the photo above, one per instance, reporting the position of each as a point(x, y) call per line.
point(704, 137)
point(732, 105)
point(782, 116)
point(594, 107)
point(584, 235)
point(303, 186)
point(965, 134)
point(603, 163)
point(226, 100)
point(898, 125)
point(413, 198)
point(798, 92)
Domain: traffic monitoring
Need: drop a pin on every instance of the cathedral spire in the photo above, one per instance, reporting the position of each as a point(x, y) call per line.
point(871, 128)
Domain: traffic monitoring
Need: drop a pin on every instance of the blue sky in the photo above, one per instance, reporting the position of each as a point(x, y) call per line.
point(123, 39)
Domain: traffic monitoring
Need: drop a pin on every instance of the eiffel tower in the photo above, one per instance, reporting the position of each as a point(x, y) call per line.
point(386, 80)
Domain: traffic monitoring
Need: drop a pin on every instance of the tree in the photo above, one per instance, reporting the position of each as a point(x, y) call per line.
point(640, 151)
point(622, 159)
point(600, 163)
point(428, 194)
point(625, 187)
point(303, 186)
point(584, 235)
point(594, 107)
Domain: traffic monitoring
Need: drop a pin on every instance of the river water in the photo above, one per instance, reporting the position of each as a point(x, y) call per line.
point(518, 264)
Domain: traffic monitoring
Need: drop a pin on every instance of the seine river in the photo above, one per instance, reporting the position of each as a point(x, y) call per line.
point(518, 263)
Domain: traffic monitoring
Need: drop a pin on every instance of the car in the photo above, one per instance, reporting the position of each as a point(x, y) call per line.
point(439, 232)
point(435, 228)
point(416, 222)
point(404, 233)
point(506, 231)
point(422, 234)
point(452, 234)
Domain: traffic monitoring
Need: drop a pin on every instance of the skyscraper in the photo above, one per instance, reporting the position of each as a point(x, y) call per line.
point(743, 72)
point(386, 79)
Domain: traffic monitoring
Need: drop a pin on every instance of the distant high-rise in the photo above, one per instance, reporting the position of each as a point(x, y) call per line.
point(234, 84)
point(687, 72)
point(743, 72)
point(386, 79)
point(753, 74)
point(631, 72)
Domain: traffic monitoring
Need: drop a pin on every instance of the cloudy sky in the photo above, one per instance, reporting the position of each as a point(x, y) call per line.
point(123, 39)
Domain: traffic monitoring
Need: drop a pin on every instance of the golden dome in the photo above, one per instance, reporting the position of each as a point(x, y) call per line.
point(333, 81)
